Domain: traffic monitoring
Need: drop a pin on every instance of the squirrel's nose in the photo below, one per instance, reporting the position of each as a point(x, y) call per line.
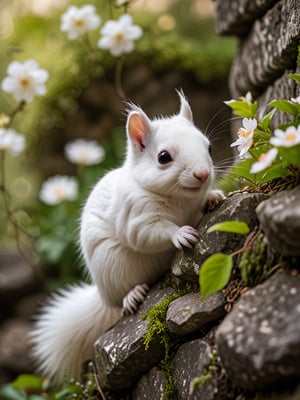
point(201, 175)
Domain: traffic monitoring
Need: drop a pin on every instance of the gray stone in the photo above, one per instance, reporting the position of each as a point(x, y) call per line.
point(259, 341)
point(189, 313)
point(291, 394)
point(190, 361)
point(150, 386)
point(16, 276)
point(282, 88)
point(235, 17)
point(280, 220)
point(15, 347)
point(120, 353)
point(239, 207)
point(268, 50)
point(17, 279)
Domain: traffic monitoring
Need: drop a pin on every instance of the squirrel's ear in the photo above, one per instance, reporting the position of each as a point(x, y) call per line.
point(185, 109)
point(138, 129)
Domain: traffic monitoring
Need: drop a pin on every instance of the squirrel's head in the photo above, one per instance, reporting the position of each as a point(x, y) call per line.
point(169, 156)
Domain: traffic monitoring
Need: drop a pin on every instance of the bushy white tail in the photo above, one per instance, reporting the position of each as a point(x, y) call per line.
point(67, 329)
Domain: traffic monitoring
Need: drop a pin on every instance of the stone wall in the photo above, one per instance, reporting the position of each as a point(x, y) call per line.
point(229, 349)
point(268, 33)
point(240, 343)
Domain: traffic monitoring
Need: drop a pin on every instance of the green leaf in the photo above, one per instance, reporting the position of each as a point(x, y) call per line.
point(242, 169)
point(295, 77)
point(239, 227)
point(265, 122)
point(28, 381)
point(215, 273)
point(7, 392)
point(287, 156)
point(273, 172)
point(290, 155)
point(286, 106)
point(242, 108)
point(62, 394)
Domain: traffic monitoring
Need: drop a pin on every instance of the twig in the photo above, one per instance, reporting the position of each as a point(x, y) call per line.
point(250, 239)
point(97, 382)
point(110, 9)
point(92, 53)
point(118, 78)
point(20, 107)
point(10, 214)
point(273, 269)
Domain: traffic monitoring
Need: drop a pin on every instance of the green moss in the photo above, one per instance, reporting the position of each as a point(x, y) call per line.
point(254, 262)
point(208, 373)
point(200, 381)
point(156, 326)
point(157, 330)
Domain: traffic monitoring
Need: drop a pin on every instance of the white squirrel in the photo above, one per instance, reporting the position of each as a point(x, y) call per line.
point(133, 221)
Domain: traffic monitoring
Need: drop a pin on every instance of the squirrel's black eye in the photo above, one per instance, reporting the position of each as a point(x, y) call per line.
point(210, 150)
point(164, 157)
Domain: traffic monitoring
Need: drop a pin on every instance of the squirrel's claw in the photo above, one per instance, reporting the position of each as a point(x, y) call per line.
point(134, 298)
point(214, 198)
point(186, 236)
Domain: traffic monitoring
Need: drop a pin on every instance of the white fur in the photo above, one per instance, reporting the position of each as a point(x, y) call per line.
point(131, 224)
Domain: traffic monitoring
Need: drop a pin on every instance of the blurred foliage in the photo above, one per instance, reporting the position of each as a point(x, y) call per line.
point(189, 45)
point(32, 387)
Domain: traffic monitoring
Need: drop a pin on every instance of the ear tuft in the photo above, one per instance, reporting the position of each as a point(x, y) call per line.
point(185, 109)
point(138, 128)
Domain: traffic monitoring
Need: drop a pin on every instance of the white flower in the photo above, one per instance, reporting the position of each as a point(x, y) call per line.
point(245, 134)
point(120, 3)
point(78, 20)
point(118, 36)
point(25, 80)
point(84, 152)
point(247, 98)
point(295, 100)
point(287, 138)
point(264, 161)
point(4, 120)
point(11, 142)
point(59, 188)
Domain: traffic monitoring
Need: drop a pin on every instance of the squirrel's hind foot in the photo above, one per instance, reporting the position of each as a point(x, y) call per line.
point(134, 298)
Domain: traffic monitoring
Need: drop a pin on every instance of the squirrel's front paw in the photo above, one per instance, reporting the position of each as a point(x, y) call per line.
point(134, 298)
point(186, 236)
point(214, 198)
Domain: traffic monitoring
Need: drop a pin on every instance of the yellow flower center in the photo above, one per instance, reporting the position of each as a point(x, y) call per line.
point(25, 82)
point(244, 132)
point(79, 22)
point(83, 156)
point(290, 137)
point(119, 37)
point(4, 120)
point(59, 193)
